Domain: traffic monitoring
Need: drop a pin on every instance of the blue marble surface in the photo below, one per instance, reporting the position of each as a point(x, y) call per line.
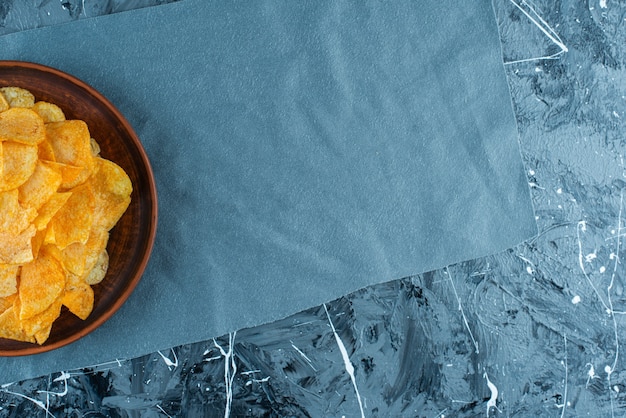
point(534, 331)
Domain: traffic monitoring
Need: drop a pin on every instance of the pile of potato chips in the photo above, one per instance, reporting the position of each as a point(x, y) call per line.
point(58, 201)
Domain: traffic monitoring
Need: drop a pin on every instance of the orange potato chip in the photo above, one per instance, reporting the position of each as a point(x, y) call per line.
point(41, 282)
point(8, 279)
point(45, 151)
point(72, 223)
point(95, 147)
point(17, 249)
point(17, 96)
point(99, 270)
point(37, 241)
point(39, 325)
point(49, 237)
point(21, 125)
point(78, 297)
point(50, 208)
point(7, 302)
point(95, 245)
point(13, 217)
point(80, 259)
point(42, 335)
point(71, 144)
point(49, 112)
point(18, 164)
point(71, 176)
point(112, 189)
point(41, 185)
point(4, 105)
point(11, 328)
point(73, 258)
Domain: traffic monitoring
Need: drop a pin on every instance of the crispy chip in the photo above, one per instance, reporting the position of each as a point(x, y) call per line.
point(8, 279)
point(45, 151)
point(112, 189)
point(71, 144)
point(4, 105)
point(39, 325)
point(70, 176)
point(73, 258)
point(78, 297)
point(49, 237)
point(80, 258)
point(95, 245)
point(18, 97)
point(13, 217)
point(49, 112)
point(99, 270)
point(21, 125)
point(11, 328)
point(7, 302)
point(50, 208)
point(41, 185)
point(17, 249)
point(18, 164)
point(37, 241)
point(72, 223)
point(41, 282)
point(42, 335)
point(95, 147)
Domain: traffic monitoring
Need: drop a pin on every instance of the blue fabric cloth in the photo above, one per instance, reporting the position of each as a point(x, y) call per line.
point(302, 150)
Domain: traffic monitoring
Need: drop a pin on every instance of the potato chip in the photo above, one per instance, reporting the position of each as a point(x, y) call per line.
point(72, 223)
point(49, 236)
point(13, 217)
point(70, 176)
point(49, 209)
point(80, 258)
point(49, 112)
point(45, 151)
point(17, 249)
point(95, 245)
point(11, 328)
point(21, 125)
point(18, 97)
point(39, 325)
point(42, 335)
point(99, 270)
point(41, 282)
point(4, 105)
point(95, 147)
point(112, 189)
point(71, 144)
point(18, 164)
point(8, 279)
point(78, 297)
point(7, 302)
point(73, 258)
point(37, 241)
point(40, 186)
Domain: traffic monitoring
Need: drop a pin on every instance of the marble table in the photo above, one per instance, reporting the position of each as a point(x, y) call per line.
point(533, 331)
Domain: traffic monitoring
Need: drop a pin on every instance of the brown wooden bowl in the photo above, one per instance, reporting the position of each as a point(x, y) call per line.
point(131, 240)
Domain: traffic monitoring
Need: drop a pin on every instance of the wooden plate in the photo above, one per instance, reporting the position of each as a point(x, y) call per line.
point(131, 240)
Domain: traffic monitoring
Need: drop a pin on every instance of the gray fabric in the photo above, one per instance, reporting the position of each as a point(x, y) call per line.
point(302, 150)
